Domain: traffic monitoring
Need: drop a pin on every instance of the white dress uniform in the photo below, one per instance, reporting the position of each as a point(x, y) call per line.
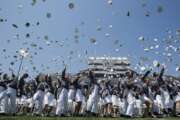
point(92, 103)
point(49, 99)
point(158, 104)
point(11, 94)
point(108, 99)
point(38, 101)
point(138, 107)
point(3, 100)
point(62, 102)
point(166, 100)
point(101, 102)
point(83, 107)
point(115, 100)
point(122, 106)
point(130, 106)
point(79, 96)
point(30, 102)
point(71, 97)
point(23, 101)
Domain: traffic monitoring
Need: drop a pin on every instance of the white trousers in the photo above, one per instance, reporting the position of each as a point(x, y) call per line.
point(122, 106)
point(48, 99)
point(138, 108)
point(92, 104)
point(11, 98)
point(3, 102)
point(83, 107)
point(71, 106)
point(130, 110)
point(38, 101)
point(62, 102)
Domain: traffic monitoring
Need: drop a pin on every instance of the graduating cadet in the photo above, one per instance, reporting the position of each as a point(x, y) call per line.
point(62, 99)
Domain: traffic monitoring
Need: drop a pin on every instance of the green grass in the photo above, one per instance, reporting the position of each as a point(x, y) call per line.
point(77, 118)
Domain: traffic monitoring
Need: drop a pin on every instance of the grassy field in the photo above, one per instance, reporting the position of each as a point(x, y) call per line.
point(77, 118)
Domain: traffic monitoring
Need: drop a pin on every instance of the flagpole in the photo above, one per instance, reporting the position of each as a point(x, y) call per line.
point(18, 74)
point(23, 54)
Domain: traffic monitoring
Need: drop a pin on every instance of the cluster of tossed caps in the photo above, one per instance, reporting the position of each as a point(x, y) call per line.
point(168, 47)
point(71, 5)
